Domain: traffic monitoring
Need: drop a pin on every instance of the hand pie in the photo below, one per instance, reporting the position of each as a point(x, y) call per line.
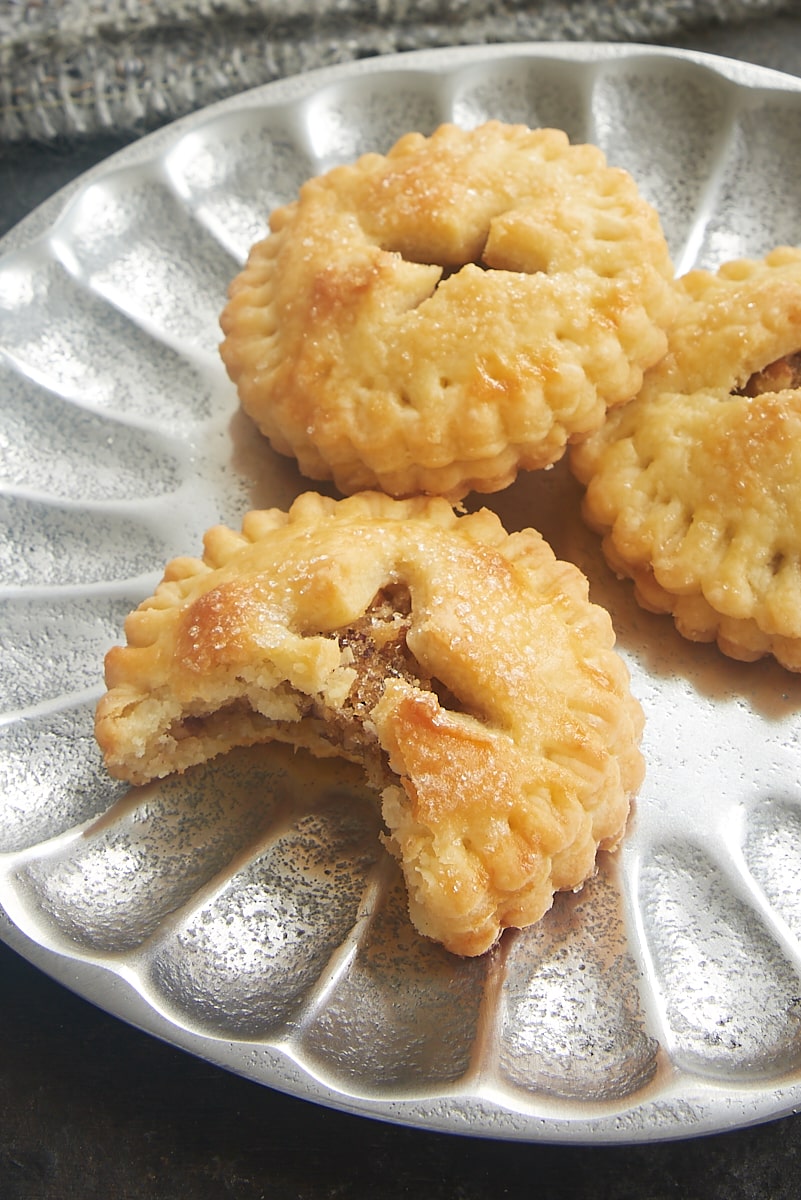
point(462, 666)
point(696, 485)
point(436, 319)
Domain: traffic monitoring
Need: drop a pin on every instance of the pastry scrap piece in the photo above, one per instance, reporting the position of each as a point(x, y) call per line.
point(464, 667)
point(436, 319)
point(696, 485)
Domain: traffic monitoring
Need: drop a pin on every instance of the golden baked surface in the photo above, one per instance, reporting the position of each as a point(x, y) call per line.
point(696, 485)
point(436, 319)
point(463, 666)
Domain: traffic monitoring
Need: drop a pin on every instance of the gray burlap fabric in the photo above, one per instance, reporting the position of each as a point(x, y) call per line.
point(80, 66)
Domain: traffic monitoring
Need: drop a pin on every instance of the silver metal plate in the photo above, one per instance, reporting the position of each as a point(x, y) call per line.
point(246, 911)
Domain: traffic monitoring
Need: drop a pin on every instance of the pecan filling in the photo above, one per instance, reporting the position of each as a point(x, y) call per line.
point(778, 376)
point(377, 643)
point(375, 647)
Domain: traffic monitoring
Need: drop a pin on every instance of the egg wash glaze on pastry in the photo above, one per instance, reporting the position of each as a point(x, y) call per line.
point(464, 667)
point(436, 319)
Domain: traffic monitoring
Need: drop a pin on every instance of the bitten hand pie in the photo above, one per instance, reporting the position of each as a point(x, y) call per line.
point(436, 319)
point(464, 667)
point(696, 485)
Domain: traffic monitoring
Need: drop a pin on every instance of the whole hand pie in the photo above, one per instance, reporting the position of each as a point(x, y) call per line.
point(464, 667)
point(438, 318)
point(696, 485)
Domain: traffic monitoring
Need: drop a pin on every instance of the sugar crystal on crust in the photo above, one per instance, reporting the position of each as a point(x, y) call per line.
point(438, 318)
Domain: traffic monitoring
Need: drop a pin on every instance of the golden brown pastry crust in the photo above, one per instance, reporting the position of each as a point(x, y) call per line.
point(696, 485)
point(464, 666)
point(436, 319)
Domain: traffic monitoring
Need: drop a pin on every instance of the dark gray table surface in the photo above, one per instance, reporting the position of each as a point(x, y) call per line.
point(91, 1108)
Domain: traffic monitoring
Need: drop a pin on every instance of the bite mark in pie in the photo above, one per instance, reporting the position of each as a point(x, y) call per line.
point(462, 666)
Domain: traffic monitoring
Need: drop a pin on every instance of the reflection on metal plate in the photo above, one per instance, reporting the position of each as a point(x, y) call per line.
point(247, 910)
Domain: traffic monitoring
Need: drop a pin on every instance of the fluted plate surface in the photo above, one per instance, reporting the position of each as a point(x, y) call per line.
point(246, 911)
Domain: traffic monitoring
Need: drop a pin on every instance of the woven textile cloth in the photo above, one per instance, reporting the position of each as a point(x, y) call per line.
point(82, 66)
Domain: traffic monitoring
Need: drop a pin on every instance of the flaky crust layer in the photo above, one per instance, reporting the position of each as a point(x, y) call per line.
point(502, 721)
point(695, 486)
point(436, 319)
